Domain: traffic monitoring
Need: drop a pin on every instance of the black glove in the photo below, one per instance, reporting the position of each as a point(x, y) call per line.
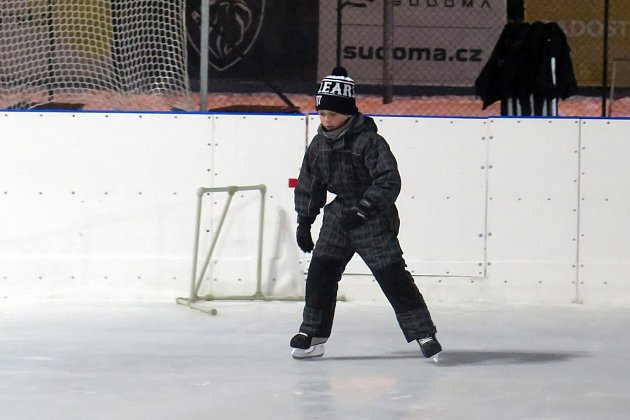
point(304, 238)
point(358, 215)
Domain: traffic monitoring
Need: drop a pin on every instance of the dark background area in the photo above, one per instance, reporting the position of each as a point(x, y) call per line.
point(286, 50)
point(515, 10)
point(284, 53)
point(284, 57)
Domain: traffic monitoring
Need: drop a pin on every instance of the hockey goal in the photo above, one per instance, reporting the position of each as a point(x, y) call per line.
point(98, 54)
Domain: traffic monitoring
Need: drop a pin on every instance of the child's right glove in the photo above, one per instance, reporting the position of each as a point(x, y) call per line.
point(304, 238)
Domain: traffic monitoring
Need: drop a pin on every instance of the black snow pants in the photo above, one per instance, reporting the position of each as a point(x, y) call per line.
point(396, 282)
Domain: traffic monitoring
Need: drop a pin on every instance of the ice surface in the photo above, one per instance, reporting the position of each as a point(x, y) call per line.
point(160, 360)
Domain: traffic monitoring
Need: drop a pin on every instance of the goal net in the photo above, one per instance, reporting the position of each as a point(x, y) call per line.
point(97, 54)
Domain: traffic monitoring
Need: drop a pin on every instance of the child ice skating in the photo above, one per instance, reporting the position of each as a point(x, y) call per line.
point(349, 159)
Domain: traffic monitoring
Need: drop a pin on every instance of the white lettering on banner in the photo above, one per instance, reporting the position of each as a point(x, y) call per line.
point(362, 52)
point(436, 42)
point(594, 28)
point(444, 3)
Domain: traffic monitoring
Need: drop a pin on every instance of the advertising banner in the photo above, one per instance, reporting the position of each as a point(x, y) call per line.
point(255, 39)
point(436, 42)
point(583, 23)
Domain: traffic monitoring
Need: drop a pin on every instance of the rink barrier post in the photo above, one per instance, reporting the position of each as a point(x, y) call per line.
point(197, 277)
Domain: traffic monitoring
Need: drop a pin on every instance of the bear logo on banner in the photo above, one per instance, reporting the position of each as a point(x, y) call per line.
point(234, 28)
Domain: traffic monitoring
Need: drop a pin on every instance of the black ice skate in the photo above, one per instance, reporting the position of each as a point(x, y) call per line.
point(430, 347)
point(306, 347)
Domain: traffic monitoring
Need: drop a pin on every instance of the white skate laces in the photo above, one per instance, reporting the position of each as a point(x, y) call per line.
point(430, 347)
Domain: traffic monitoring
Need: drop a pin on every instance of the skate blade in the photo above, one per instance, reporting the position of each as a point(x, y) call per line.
point(310, 353)
point(436, 359)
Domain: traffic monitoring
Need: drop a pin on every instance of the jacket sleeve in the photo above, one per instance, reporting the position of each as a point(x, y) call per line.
point(310, 192)
point(383, 168)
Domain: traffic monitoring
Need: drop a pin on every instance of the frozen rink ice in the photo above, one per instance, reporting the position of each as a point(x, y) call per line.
point(160, 360)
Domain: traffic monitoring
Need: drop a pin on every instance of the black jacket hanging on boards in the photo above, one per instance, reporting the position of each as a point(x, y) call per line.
point(500, 76)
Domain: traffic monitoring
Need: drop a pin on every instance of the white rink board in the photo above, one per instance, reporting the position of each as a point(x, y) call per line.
point(98, 204)
point(604, 271)
point(254, 150)
point(102, 206)
point(442, 204)
point(532, 207)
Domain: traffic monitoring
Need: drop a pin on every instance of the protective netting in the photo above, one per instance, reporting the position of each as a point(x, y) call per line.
point(101, 54)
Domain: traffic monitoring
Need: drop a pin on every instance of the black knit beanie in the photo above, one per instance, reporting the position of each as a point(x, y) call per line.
point(336, 93)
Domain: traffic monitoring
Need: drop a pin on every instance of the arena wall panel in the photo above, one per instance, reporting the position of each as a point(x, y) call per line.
point(102, 206)
point(532, 208)
point(604, 232)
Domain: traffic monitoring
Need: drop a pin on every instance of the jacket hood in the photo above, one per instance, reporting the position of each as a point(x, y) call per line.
point(363, 123)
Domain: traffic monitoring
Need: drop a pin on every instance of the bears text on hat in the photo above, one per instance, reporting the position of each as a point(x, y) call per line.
point(330, 86)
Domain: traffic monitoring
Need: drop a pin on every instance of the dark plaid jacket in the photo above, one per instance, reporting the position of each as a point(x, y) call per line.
point(357, 165)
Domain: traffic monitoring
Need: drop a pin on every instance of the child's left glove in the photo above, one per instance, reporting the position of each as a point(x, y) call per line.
point(358, 214)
